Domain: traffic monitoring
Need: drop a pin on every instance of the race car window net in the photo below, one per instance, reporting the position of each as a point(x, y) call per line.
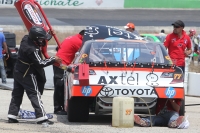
point(124, 52)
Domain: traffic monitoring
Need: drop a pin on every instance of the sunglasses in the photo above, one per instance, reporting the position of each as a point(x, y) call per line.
point(176, 26)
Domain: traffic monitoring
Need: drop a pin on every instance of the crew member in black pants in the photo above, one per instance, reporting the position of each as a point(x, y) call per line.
point(58, 91)
point(29, 74)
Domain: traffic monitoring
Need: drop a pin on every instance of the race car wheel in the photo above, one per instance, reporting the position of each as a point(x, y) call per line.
point(182, 108)
point(78, 109)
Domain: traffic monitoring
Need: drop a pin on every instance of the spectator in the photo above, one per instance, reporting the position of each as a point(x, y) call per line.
point(194, 41)
point(178, 44)
point(167, 114)
point(162, 32)
point(131, 28)
point(66, 52)
point(29, 74)
point(198, 40)
point(4, 45)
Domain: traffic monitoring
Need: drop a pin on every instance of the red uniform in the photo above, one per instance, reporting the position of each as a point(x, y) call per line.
point(69, 47)
point(161, 103)
point(176, 47)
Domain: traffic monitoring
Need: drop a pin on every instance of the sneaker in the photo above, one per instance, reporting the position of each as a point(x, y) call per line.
point(46, 121)
point(61, 112)
point(10, 120)
point(177, 122)
point(140, 121)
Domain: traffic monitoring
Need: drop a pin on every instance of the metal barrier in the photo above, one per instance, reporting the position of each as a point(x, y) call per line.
point(193, 88)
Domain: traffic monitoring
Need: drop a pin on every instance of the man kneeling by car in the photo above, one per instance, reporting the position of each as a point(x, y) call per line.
point(167, 114)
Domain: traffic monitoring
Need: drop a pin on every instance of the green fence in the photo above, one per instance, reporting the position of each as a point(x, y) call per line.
point(162, 4)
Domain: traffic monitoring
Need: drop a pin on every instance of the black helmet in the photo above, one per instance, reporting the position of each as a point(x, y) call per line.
point(37, 33)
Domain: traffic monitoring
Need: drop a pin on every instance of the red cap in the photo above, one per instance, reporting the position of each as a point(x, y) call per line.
point(129, 25)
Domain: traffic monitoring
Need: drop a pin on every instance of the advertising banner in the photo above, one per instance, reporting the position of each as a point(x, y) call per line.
point(89, 4)
point(190, 4)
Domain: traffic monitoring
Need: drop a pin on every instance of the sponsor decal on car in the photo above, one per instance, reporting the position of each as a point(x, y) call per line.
point(83, 56)
point(170, 92)
point(141, 91)
point(86, 90)
point(151, 79)
point(177, 76)
point(167, 57)
point(130, 80)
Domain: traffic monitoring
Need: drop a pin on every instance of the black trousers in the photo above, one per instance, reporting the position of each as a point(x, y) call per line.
point(30, 84)
point(58, 89)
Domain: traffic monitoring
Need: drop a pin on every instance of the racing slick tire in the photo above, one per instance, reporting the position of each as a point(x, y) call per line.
point(182, 108)
point(78, 109)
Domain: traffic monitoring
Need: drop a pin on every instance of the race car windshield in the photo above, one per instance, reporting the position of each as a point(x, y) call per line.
point(125, 51)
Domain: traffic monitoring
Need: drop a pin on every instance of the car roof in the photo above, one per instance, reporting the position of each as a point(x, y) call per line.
point(94, 32)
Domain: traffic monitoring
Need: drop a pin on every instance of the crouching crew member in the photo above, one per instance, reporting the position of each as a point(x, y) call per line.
point(29, 74)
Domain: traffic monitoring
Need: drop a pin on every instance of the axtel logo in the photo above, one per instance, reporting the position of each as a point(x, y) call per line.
point(86, 90)
point(170, 92)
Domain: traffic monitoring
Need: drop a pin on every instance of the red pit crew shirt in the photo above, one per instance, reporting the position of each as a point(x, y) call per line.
point(68, 48)
point(176, 47)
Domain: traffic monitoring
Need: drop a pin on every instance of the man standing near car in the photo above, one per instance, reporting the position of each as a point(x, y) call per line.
point(66, 52)
point(178, 44)
point(4, 45)
point(29, 74)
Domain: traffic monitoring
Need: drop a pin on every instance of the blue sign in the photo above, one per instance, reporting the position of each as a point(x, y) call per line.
point(86, 90)
point(170, 92)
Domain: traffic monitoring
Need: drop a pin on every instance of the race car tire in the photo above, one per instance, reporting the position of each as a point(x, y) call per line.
point(78, 109)
point(182, 108)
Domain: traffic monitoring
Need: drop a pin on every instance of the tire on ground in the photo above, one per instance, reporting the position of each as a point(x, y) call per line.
point(78, 109)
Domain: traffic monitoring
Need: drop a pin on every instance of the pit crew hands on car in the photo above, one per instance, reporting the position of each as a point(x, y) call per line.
point(29, 74)
point(167, 114)
point(178, 44)
point(66, 52)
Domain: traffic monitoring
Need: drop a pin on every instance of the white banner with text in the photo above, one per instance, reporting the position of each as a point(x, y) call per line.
point(97, 4)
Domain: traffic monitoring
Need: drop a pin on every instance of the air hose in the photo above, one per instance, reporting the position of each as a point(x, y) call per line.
point(148, 108)
point(192, 104)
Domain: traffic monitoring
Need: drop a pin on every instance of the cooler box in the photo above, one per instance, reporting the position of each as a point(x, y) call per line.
point(123, 112)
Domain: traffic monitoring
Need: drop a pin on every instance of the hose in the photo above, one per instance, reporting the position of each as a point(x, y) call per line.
point(192, 104)
point(147, 106)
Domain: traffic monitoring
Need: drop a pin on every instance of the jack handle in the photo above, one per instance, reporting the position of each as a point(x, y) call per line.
point(49, 25)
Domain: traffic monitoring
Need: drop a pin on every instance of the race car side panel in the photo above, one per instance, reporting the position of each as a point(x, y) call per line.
point(170, 92)
point(91, 91)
